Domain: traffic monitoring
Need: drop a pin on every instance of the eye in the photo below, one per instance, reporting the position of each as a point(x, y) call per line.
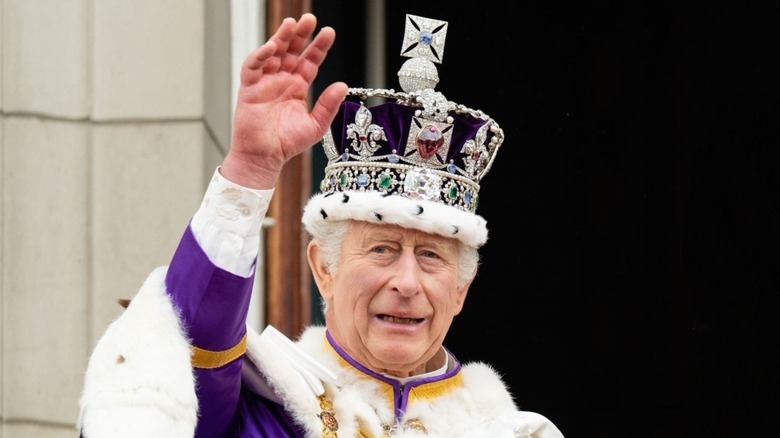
point(429, 254)
point(380, 249)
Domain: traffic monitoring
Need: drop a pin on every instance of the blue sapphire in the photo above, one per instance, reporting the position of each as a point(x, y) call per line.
point(426, 37)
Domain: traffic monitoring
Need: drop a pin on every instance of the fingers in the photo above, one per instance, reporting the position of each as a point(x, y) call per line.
point(278, 45)
point(303, 33)
point(291, 49)
point(311, 58)
point(285, 32)
point(289, 40)
point(259, 56)
point(299, 43)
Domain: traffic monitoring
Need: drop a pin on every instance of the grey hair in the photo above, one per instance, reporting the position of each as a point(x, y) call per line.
point(328, 236)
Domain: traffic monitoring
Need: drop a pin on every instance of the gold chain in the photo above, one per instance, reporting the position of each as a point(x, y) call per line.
point(328, 418)
point(330, 425)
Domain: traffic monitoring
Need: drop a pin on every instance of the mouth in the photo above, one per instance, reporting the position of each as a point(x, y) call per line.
point(399, 320)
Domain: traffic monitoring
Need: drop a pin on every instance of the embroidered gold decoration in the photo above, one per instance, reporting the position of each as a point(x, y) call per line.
point(214, 359)
point(410, 424)
point(415, 424)
point(328, 418)
point(388, 430)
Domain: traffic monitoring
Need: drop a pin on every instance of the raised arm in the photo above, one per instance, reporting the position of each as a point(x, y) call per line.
point(272, 124)
point(272, 121)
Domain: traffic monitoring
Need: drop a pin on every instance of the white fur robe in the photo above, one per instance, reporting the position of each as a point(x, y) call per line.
point(139, 383)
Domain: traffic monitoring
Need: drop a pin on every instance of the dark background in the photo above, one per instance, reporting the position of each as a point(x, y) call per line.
point(629, 287)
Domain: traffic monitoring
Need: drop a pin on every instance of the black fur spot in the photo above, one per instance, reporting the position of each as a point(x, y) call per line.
point(324, 215)
point(345, 199)
point(455, 230)
point(328, 194)
point(420, 210)
point(378, 216)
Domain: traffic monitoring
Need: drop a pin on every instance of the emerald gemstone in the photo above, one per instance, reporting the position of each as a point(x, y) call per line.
point(385, 180)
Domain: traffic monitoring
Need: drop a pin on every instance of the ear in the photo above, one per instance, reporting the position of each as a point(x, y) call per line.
point(319, 270)
point(462, 291)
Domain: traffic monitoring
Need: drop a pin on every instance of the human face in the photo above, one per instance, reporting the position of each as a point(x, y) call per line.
point(393, 297)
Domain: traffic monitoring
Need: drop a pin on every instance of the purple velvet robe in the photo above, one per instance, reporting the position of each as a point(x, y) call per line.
point(213, 305)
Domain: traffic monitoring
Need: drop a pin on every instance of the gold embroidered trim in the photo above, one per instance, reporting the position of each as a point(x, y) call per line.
point(213, 359)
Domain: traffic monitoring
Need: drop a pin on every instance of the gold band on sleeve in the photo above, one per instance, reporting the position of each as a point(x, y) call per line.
point(213, 359)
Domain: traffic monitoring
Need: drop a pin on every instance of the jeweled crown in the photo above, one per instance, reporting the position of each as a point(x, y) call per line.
point(415, 160)
point(422, 145)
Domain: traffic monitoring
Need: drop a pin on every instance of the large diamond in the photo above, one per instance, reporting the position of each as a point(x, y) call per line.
point(422, 184)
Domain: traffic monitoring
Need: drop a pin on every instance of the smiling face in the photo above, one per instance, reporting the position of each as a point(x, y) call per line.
point(394, 295)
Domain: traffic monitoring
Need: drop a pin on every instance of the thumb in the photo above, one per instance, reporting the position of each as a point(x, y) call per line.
point(326, 107)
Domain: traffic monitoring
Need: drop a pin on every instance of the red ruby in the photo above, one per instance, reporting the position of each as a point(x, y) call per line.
point(429, 141)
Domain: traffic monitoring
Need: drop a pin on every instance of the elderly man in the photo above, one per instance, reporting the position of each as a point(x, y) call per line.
point(394, 249)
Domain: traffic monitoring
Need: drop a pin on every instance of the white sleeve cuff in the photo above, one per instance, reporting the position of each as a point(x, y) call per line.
point(227, 224)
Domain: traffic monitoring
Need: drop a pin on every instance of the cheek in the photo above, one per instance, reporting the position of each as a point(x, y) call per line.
point(446, 296)
point(361, 279)
point(354, 291)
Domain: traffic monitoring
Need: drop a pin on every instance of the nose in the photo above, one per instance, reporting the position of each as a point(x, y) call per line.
point(406, 275)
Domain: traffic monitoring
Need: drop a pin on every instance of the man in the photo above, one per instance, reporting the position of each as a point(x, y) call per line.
point(393, 252)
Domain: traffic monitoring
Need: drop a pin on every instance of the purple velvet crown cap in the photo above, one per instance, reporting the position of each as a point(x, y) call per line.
point(396, 120)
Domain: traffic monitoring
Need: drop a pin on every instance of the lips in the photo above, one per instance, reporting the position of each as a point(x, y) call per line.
point(399, 320)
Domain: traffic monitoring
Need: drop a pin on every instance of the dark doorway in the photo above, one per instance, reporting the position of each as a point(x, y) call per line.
point(629, 287)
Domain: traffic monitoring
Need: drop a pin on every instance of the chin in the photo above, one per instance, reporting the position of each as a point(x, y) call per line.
point(400, 358)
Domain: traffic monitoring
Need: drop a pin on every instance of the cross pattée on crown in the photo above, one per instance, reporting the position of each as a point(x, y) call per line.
point(424, 38)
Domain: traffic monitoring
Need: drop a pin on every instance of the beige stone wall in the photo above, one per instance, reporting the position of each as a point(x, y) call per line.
point(114, 114)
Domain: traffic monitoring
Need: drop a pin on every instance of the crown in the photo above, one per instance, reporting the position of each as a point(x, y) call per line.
point(418, 146)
